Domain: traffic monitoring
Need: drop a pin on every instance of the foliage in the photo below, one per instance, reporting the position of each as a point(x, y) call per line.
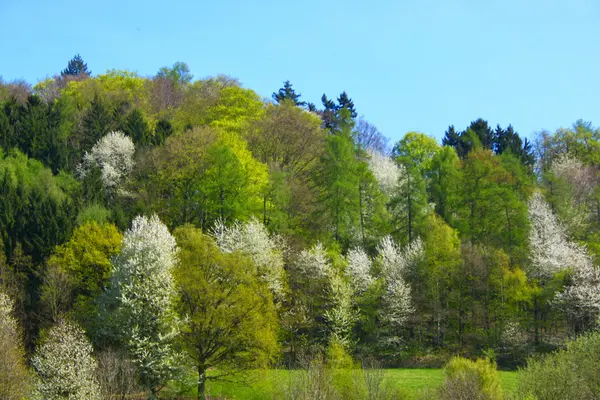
point(113, 155)
point(466, 379)
point(65, 365)
point(145, 293)
point(14, 376)
point(265, 250)
point(570, 373)
point(229, 317)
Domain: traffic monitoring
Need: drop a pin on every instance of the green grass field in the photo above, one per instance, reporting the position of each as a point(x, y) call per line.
point(265, 384)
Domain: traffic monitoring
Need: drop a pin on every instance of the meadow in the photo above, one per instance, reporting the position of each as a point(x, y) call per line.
point(268, 384)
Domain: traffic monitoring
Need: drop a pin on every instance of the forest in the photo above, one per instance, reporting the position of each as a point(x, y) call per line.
point(162, 226)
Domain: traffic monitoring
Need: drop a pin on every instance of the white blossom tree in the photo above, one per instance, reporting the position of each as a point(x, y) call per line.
point(145, 294)
point(387, 173)
point(65, 366)
point(582, 297)
point(359, 269)
point(14, 378)
point(113, 156)
point(395, 261)
point(313, 262)
point(265, 250)
point(551, 250)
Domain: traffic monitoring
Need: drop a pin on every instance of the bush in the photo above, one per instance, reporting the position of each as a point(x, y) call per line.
point(572, 373)
point(470, 380)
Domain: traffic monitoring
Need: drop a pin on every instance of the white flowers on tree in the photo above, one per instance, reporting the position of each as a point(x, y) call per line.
point(253, 239)
point(113, 155)
point(386, 172)
point(359, 269)
point(551, 251)
point(65, 365)
point(313, 262)
point(145, 291)
point(395, 261)
point(582, 297)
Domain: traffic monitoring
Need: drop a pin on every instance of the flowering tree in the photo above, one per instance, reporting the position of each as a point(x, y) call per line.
point(113, 156)
point(397, 296)
point(386, 172)
point(253, 239)
point(145, 293)
point(359, 269)
point(314, 262)
point(551, 251)
point(14, 379)
point(65, 365)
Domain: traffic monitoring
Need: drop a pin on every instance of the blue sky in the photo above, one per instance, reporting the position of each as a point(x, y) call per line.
point(412, 65)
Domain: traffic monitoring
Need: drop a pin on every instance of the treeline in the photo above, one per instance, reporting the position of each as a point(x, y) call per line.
point(172, 217)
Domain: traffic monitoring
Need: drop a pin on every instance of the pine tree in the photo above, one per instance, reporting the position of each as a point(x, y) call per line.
point(97, 122)
point(76, 67)
point(287, 93)
point(137, 128)
point(163, 130)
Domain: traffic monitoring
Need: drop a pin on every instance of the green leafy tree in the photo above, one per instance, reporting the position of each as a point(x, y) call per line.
point(230, 321)
point(178, 73)
point(340, 180)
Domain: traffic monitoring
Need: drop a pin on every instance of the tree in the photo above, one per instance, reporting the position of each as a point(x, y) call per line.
point(289, 141)
point(369, 138)
point(76, 67)
point(14, 377)
point(340, 181)
point(443, 182)
point(145, 293)
point(396, 299)
point(85, 260)
point(113, 156)
point(265, 250)
point(178, 73)
point(230, 321)
point(287, 93)
point(97, 122)
point(551, 251)
point(137, 128)
point(359, 269)
point(65, 365)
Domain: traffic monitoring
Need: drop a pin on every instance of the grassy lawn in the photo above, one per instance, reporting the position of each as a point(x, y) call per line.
point(265, 384)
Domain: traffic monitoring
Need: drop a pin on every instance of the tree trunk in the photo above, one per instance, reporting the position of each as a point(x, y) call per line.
point(201, 383)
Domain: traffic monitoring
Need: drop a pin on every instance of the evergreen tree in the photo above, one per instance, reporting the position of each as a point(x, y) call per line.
point(287, 93)
point(76, 67)
point(137, 128)
point(97, 122)
point(163, 130)
point(345, 102)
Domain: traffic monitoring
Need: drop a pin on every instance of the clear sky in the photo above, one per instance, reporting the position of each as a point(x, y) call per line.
point(407, 64)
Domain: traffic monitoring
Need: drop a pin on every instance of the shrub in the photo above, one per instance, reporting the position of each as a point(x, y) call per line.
point(470, 380)
point(571, 373)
